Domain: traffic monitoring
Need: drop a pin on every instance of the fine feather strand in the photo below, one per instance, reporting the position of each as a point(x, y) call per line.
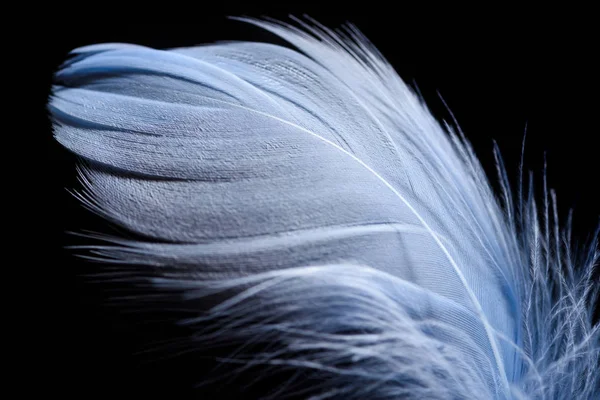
point(338, 224)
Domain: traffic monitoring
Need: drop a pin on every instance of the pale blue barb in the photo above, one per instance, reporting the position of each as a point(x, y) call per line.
point(342, 225)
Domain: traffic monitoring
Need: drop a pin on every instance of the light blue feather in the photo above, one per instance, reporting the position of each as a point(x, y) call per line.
point(359, 238)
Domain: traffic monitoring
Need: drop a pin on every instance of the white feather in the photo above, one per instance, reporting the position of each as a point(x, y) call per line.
point(361, 241)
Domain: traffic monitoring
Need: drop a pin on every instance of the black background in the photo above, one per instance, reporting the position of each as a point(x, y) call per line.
point(496, 74)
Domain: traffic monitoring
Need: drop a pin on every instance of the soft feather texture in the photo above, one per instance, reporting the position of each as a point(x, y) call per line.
point(307, 203)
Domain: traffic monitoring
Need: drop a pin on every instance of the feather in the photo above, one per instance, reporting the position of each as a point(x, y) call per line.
point(308, 211)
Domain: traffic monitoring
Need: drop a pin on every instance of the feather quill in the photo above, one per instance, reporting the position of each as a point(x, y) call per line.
point(306, 203)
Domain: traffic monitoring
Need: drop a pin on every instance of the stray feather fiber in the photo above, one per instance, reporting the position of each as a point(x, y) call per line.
point(309, 213)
